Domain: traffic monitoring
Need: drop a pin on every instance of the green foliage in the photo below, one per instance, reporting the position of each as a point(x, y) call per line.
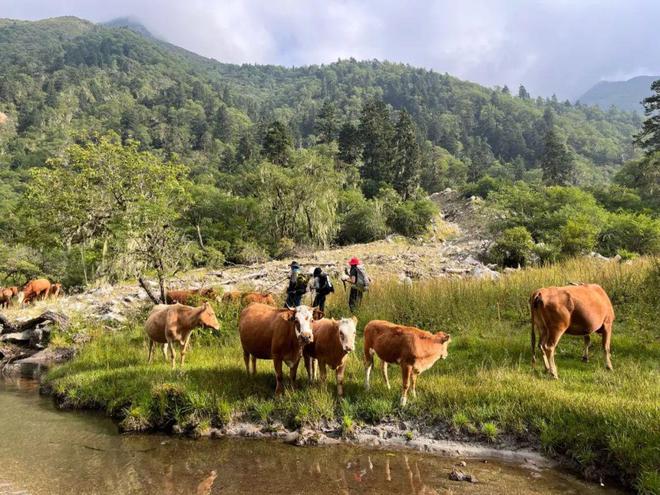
point(362, 220)
point(649, 137)
point(411, 218)
point(558, 164)
point(277, 143)
point(629, 232)
point(513, 247)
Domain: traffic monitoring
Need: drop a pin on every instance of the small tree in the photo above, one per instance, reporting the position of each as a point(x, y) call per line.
point(277, 143)
point(522, 93)
point(558, 164)
point(326, 125)
point(406, 156)
point(649, 137)
point(513, 247)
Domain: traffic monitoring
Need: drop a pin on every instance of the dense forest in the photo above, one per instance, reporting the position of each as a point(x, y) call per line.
point(117, 150)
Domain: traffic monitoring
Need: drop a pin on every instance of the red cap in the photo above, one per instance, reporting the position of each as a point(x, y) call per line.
point(354, 261)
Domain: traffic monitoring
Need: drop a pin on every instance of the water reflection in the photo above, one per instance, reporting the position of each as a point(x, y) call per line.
point(44, 451)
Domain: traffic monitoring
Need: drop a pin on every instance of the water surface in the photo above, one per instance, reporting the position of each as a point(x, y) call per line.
point(44, 451)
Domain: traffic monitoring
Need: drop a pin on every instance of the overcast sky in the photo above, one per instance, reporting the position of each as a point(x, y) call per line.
point(551, 46)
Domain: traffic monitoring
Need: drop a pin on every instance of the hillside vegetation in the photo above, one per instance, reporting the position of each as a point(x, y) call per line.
point(603, 423)
point(261, 160)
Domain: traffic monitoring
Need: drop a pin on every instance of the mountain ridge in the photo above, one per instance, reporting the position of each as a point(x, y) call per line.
point(626, 95)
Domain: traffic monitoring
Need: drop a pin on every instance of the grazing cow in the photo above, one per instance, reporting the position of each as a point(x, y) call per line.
point(34, 289)
point(187, 296)
point(258, 297)
point(413, 349)
point(232, 297)
point(575, 310)
point(333, 340)
point(169, 323)
point(55, 290)
point(6, 295)
point(277, 334)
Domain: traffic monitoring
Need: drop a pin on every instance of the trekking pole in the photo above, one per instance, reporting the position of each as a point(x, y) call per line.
point(278, 282)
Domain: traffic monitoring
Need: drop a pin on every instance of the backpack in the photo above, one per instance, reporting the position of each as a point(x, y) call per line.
point(325, 286)
point(362, 279)
point(301, 282)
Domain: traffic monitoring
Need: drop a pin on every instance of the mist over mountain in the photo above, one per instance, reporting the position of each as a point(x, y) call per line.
point(626, 95)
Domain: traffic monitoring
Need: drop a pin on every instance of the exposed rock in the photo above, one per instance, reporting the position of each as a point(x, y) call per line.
point(48, 356)
point(483, 272)
point(458, 475)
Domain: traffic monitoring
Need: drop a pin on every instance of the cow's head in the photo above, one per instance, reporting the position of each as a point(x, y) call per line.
point(443, 339)
point(207, 317)
point(347, 333)
point(302, 317)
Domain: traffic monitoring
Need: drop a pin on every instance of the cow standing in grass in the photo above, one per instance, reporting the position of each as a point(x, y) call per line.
point(333, 341)
point(576, 310)
point(187, 296)
point(413, 349)
point(169, 323)
point(277, 334)
point(33, 290)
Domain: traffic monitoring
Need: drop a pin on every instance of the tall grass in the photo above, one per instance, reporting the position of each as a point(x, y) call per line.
point(604, 423)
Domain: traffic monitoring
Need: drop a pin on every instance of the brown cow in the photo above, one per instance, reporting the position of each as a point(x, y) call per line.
point(333, 340)
point(55, 290)
point(413, 349)
point(34, 289)
point(6, 295)
point(169, 323)
point(258, 297)
point(277, 334)
point(232, 297)
point(575, 310)
point(187, 296)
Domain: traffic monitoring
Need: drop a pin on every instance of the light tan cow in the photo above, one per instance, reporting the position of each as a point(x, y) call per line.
point(169, 323)
point(34, 289)
point(333, 341)
point(413, 349)
point(576, 310)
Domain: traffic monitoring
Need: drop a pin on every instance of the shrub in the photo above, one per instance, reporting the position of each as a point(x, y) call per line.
point(630, 232)
point(248, 253)
point(411, 218)
point(578, 235)
point(513, 248)
point(363, 222)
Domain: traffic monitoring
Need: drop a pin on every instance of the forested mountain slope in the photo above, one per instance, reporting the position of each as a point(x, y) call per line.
point(65, 75)
point(625, 95)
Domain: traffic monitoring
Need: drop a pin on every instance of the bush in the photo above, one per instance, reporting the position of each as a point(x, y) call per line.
point(513, 248)
point(578, 236)
point(411, 218)
point(361, 220)
point(630, 232)
point(247, 253)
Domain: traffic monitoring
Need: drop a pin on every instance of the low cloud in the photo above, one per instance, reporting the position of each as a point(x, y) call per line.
point(559, 46)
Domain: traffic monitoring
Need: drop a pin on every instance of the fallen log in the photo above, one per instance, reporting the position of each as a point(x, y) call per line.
point(48, 316)
point(249, 276)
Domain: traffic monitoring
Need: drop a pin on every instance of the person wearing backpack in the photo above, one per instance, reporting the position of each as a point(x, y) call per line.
point(297, 286)
point(359, 280)
point(322, 286)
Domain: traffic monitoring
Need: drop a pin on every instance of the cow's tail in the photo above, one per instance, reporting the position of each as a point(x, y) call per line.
point(536, 301)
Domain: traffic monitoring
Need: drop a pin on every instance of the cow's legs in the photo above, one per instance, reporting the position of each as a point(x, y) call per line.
point(542, 341)
point(585, 352)
point(340, 379)
point(278, 375)
point(254, 365)
point(406, 374)
point(309, 366)
point(293, 372)
point(165, 351)
point(387, 379)
point(151, 351)
point(549, 352)
point(172, 353)
point(607, 337)
point(414, 384)
point(246, 360)
point(369, 359)
point(185, 348)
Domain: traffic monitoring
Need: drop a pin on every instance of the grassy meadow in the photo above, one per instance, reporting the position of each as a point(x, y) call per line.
point(601, 422)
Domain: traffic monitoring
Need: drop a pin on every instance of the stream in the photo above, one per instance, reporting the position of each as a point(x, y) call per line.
point(47, 451)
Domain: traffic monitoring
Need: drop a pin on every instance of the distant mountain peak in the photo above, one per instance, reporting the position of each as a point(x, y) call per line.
point(129, 22)
point(626, 95)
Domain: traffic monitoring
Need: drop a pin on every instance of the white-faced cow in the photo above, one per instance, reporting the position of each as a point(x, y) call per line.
point(278, 334)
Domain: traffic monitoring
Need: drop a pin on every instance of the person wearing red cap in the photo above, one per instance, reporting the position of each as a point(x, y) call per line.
point(357, 277)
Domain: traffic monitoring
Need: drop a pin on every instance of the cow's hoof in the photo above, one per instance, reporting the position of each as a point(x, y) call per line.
point(585, 359)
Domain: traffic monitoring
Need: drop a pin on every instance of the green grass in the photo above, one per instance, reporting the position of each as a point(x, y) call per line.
point(601, 422)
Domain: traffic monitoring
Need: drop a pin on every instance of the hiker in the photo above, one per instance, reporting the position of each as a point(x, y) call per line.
point(297, 286)
point(359, 281)
point(322, 286)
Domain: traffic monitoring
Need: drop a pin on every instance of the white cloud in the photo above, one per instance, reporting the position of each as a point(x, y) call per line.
point(559, 46)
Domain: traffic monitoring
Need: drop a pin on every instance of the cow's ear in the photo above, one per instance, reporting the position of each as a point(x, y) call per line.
point(355, 320)
point(317, 314)
point(445, 338)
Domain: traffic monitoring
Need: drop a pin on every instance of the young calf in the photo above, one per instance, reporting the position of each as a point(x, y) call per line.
point(333, 340)
point(169, 323)
point(413, 349)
